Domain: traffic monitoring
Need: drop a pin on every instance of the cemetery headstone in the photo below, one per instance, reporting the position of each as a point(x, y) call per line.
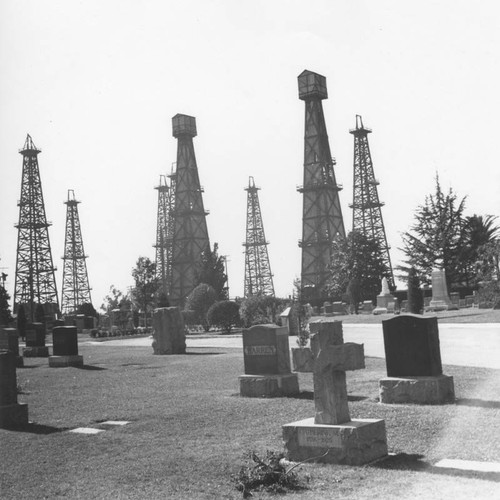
point(440, 300)
point(266, 358)
point(367, 307)
point(35, 341)
point(384, 299)
point(169, 336)
point(12, 413)
point(9, 340)
point(328, 308)
point(339, 308)
point(413, 360)
point(65, 347)
point(331, 436)
point(286, 320)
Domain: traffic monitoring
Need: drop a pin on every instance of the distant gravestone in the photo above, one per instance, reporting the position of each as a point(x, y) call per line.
point(384, 299)
point(367, 307)
point(12, 413)
point(331, 436)
point(169, 336)
point(328, 308)
point(65, 347)
point(440, 300)
point(413, 360)
point(35, 341)
point(266, 358)
point(9, 340)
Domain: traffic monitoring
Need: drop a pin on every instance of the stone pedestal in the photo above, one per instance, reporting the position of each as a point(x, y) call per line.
point(169, 336)
point(356, 442)
point(440, 299)
point(65, 347)
point(331, 436)
point(266, 355)
point(384, 300)
point(417, 390)
point(9, 340)
point(12, 413)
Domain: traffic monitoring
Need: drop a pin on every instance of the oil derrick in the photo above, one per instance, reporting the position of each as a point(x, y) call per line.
point(366, 207)
point(164, 231)
point(190, 234)
point(258, 276)
point(35, 278)
point(75, 284)
point(322, 218)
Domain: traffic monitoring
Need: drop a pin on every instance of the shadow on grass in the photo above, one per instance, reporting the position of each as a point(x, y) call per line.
point(478, 403)
point(309, 395)
point(34, 428)
point(414, 462)
point(203, 353)
point(29, 366)
point(90, 367)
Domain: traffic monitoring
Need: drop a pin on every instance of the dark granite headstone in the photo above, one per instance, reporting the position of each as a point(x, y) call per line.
point(9, 340)
point(266, 350)
point(411, 345)
point(65, 341)
point(8, 384)
point(35, 335)
point(59, 322)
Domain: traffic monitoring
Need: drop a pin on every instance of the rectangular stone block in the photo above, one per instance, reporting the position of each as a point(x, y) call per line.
point(14, 415)
point(169, 336)
point(330, 331)
point(8, 378)
point(268, 386)
point(9, 340)
point(348, 356)
point(302, 360)
point(417, 390)
point(65, 341)
point(356, 442)
point(266, 350)
point(411, 345)
point(35, 335)
point(65, 361)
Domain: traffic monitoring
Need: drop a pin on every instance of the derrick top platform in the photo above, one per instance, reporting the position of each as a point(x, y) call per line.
point(312, 86)
point(29, 148)
point(183, 125)
point(360, 128)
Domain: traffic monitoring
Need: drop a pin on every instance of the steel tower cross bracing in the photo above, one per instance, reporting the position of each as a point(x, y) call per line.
point(258, 276)
point(366, 206)
point(35, 281)
point(190, 234)
point(322, 218)
point(75, 285)
point(164, 230)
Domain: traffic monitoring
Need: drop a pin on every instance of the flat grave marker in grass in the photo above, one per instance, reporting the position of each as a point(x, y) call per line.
point(266, 355)
point(331, 436)
point(413, 360)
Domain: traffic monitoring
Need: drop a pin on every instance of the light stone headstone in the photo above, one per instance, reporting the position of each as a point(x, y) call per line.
point(169, 336)
point(12, 413)
point(384, 299)
point(331, 436)
point(440, 299)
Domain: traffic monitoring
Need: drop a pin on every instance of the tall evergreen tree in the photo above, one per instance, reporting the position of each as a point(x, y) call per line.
point(211, 271)
point(5, 313)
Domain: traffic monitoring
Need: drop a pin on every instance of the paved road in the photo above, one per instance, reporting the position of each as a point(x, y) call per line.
point(461, 344)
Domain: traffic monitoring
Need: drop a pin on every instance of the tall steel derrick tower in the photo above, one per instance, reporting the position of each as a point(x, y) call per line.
point(258, 276)
point(164, 230)
point(366, 207)
point(35, 278)
point(75, 284)
point(190, 234)
point(322, 215)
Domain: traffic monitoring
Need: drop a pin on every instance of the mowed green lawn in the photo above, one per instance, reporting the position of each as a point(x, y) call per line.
point(190, 430)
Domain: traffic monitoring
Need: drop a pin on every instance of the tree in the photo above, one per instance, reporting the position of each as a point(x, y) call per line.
point(224, 314)
point(415, 297)
point(147, 284)
point(87, 309)
point(5, 313)
point(199, 302)
point(116, 299)
point(488, 273)
point(260, 309)
point(211, 270)
point(359, 258)
point(437, 237)
point(354, 292)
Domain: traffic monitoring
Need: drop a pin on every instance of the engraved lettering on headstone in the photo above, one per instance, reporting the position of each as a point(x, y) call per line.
point(260, 350)
point(319, 438)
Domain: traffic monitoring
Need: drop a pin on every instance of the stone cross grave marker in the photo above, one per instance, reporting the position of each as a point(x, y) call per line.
point(65, 347)
point(413, 360)
point(9, 340)
point(266, 356)
point(331, 436)
point(12, 413)
point(169, 336)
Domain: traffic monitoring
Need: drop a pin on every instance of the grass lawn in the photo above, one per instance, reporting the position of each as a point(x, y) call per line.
point(190, 430)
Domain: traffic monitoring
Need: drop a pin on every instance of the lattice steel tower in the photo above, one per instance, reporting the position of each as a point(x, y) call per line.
point(322, 215)
point(190, 235)
point(75, 285)
point(366, 207)
point(164, 230)
point(35, 278)
point(258, 276)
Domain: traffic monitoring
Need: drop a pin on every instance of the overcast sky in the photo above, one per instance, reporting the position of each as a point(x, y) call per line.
point(96, 83)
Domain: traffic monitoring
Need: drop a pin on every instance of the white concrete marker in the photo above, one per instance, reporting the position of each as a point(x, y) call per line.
point(115, 422)
point(86, 430)
point(469, 465)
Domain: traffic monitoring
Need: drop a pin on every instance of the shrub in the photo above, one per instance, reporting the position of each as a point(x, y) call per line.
point(224, 314)
point(199, 301)
point(261, 309)
point(415, 297)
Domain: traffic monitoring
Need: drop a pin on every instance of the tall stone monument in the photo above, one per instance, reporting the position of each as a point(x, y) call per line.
point(169, 336)
point(12, 413)
point(440, 299)
point(65, 347)
point(9, 340)
point(413, 360)
point(384, 298)
point(331, 436)
point(266, 356)
point(35, 341)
